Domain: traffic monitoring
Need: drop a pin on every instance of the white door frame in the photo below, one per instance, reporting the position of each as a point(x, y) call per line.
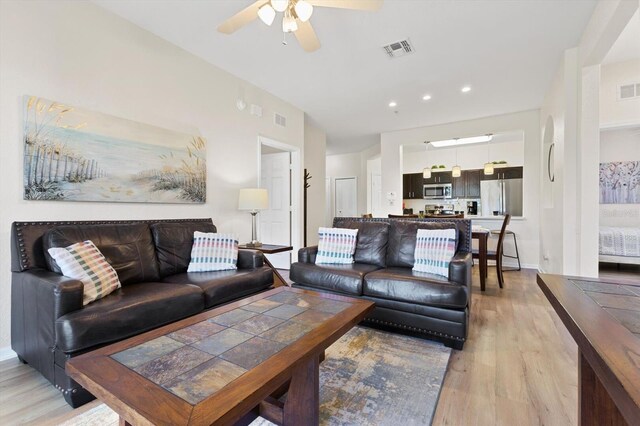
point(296, 185)
point(334, 192)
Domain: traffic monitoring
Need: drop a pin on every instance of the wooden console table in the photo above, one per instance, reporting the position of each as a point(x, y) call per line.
point(603, 318)
point(270, 249)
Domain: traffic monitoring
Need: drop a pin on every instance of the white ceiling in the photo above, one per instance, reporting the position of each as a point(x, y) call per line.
point(627, 46)
point(508, 51)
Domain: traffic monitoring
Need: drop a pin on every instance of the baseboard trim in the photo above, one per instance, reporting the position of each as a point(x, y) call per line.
point(7, 353)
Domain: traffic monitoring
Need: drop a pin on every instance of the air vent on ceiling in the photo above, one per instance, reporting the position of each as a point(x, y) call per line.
point(628, 91)
point(279, 120)
point(398, 48)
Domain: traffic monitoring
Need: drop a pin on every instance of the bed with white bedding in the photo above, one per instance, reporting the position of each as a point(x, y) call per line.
point(620, 245)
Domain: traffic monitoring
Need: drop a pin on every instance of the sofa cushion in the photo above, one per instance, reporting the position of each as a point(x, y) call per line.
point(345, 279)
point(128, 247)
point(371, 245)
point(173, 243)
point(223, 286)
point(84, 262)
point(402, 240)
point(126, 312)
point(403, 284)
point(336, 245)
point(213, 252)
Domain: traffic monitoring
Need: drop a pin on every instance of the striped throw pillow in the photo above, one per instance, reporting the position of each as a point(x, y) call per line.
point(434, 250)
point(83, 261)
point(336, 245)
point(213, 252)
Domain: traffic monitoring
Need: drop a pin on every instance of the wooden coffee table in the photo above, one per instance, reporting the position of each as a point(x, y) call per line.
point(224, 366)
point(603, 318)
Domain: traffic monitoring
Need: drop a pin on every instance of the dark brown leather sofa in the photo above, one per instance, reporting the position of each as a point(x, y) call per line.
point(48, 322)
point(420, 303)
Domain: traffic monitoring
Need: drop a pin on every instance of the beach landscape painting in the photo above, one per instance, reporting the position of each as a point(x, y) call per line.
point(73, 154)
point(620, 182)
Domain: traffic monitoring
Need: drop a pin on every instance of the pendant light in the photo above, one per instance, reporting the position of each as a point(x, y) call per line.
point(426, 172)
point(488, 166)
point(456, 171)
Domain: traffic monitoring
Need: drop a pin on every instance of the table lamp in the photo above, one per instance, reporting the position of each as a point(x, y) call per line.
point(253, 199)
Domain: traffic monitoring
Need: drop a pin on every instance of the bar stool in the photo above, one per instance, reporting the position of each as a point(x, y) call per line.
point(515, 244)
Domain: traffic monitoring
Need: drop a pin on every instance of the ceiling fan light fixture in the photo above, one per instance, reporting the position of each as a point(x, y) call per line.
point(267, 14)
point(280, 5)
point(303, 10)
point(289, 24)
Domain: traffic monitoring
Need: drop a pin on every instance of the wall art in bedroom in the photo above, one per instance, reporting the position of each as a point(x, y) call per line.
point(620, 182)
point(72, 154)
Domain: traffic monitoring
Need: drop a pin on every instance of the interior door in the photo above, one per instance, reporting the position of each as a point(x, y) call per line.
point(346, 196)
point(275, 223)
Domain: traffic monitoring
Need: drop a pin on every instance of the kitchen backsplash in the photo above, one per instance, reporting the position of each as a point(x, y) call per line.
point(459, 203)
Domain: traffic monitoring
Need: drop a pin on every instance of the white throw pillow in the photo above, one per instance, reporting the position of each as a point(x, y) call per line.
point(213, 252)
point(336, 245)
point(434, 250)
point(83, 261)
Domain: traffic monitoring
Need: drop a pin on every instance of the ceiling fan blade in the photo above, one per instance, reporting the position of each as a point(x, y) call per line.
point(349, 4)
point(307, 36)
point(241, 18)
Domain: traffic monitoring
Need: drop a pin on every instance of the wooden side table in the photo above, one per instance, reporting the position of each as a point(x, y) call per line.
point(278, 280)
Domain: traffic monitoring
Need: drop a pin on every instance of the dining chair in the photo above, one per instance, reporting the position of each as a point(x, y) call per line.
point(367, 215)
point(497, 254)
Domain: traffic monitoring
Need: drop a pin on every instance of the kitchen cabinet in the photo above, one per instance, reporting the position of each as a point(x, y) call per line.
point(467, 185)
point(472, 183)
point(504, 173)
point(412, 186)
point(439, 177)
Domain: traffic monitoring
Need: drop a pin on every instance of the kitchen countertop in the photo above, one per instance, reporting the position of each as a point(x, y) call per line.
point(473, 217)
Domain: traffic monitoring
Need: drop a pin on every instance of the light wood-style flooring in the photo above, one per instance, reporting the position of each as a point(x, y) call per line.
point(518, 367)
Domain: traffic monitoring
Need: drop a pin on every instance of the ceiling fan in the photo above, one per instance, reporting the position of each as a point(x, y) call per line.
point(296, 14)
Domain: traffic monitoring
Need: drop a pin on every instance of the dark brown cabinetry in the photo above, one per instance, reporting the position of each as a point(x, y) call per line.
point(504, 173)
point(467, 185)
point(439, 177)
point(412, 186)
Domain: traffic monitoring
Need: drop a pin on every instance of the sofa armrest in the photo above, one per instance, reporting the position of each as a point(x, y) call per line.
point(54, 292)
point(250, 259)
point(460, 269)
point(307, 254)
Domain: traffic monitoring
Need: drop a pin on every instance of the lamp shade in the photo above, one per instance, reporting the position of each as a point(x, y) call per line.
point(303, 10)
point(456, 171)
point(267, 14)
point(253, 199)
point(280, 5)
point(426, 173)
point(488, 168)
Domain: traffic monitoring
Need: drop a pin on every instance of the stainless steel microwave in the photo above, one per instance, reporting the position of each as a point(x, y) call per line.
point(437, 191)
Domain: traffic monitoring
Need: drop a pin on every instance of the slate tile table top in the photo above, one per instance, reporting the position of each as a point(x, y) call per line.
point(219, 365)
point(603, 318)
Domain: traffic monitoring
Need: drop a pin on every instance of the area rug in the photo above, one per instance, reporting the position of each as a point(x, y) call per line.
point(369, 377)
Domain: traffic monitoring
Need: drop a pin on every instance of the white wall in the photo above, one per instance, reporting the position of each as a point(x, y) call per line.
point(352, 165)
point(620, 145)
point(616, 112)
point(393, 167)
point(81, 55)
point(315, 146)
point(568, 237)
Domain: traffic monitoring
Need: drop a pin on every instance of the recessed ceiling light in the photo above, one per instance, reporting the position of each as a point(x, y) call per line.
point(426, 97)
point(466, 89)
point(393, 104)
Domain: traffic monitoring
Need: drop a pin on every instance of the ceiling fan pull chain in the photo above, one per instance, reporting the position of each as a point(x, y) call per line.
point(284, 39)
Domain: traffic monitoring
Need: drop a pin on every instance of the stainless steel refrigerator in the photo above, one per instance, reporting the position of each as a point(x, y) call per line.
point(502, 196)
